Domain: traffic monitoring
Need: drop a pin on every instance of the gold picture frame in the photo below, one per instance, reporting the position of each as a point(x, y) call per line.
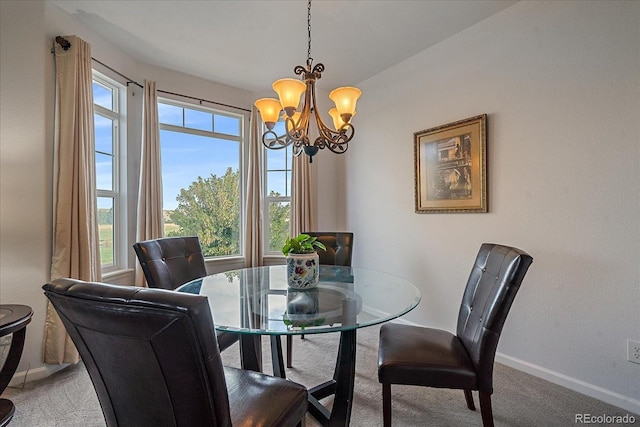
point(451, 167)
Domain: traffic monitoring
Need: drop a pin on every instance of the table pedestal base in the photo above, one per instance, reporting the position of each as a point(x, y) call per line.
point(341, 386)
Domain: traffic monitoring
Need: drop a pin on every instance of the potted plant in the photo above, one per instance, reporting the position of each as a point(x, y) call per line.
point(302, 261)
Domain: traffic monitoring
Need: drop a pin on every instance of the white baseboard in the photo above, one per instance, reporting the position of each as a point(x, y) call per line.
point(29, 375)
point(579, 386)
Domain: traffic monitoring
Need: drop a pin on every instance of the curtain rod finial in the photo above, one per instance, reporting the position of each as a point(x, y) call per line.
point(64, 43)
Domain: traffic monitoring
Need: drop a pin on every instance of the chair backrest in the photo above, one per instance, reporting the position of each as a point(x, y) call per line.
point(339, 247)
point(490, 291)
point(171, 261)
point(150, 353)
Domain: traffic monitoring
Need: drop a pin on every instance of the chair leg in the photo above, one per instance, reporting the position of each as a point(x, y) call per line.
point(485, 409)
point(386, 405)
point(469, 398)
point(289, 351)
point(276, 357)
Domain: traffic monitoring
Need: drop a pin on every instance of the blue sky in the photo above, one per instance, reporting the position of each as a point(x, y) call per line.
point(185, 157)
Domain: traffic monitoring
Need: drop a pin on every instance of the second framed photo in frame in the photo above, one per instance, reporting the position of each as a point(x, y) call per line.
point(451, 167)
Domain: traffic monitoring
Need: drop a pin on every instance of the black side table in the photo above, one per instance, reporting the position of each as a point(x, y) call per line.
point(13, 320)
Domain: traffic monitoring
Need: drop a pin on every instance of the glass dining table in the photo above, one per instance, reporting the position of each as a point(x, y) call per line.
point(256, 301)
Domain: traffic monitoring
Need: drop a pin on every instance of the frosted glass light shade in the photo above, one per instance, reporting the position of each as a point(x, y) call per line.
point(289, 92)
point(345, 99)
point(337, 120)
point(269, 111)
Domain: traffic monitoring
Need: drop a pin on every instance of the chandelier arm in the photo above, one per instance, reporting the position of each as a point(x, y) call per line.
point(340, 136)
point(277, 142)
point(297, 132)
point(335, 141)
point(306, 109)
point(290, 128)
point(338, 142)
point(341, 145)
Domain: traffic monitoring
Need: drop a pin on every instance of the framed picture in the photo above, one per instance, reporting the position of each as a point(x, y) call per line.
point(451, 167)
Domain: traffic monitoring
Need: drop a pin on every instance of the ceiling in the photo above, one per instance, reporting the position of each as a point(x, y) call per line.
point(249, 44)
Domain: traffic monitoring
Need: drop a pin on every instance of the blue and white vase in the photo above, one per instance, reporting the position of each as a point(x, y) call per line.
point(303, 270)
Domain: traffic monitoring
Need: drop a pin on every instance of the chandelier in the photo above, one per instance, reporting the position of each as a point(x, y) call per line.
point(297, 120)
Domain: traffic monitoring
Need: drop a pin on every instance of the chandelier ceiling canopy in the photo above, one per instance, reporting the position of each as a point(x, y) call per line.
point(297, 120)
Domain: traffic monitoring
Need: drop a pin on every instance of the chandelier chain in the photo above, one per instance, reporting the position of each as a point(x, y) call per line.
point(309, 59)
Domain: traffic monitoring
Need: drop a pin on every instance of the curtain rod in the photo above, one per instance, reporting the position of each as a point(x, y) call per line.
point(202, 100)
point(65, 44)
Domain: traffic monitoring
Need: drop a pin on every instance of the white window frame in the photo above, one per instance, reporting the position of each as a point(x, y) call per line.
point(267, 199)
point(242, 142)
point(118, 191)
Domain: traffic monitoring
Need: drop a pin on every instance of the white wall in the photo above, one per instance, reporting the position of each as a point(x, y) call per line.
point(25, 172)
point(560, 82)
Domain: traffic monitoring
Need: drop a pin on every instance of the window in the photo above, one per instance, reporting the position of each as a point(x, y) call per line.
point(110, 180)
point(201, 152)
point(277, 195)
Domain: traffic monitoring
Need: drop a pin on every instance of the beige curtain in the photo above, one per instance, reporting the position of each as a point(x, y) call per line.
point(301, 203)
point(253, 215)
point(75, 229)
point(150, 221)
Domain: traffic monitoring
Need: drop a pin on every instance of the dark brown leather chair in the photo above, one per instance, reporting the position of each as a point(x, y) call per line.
point(173, 261)
point(154, 361)
point(339, 252)
point(339, 247)
point(428, 357)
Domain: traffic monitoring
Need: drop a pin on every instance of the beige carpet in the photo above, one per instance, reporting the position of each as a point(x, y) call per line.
point(67, 398)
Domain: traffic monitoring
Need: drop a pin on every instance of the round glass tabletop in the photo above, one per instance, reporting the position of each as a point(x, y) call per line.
point(258, 301)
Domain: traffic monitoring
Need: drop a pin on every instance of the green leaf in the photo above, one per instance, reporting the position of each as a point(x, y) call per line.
point(302, 244)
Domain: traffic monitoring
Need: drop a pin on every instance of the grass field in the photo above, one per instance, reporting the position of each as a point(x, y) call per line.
point(106, 241)
point(168, 228)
